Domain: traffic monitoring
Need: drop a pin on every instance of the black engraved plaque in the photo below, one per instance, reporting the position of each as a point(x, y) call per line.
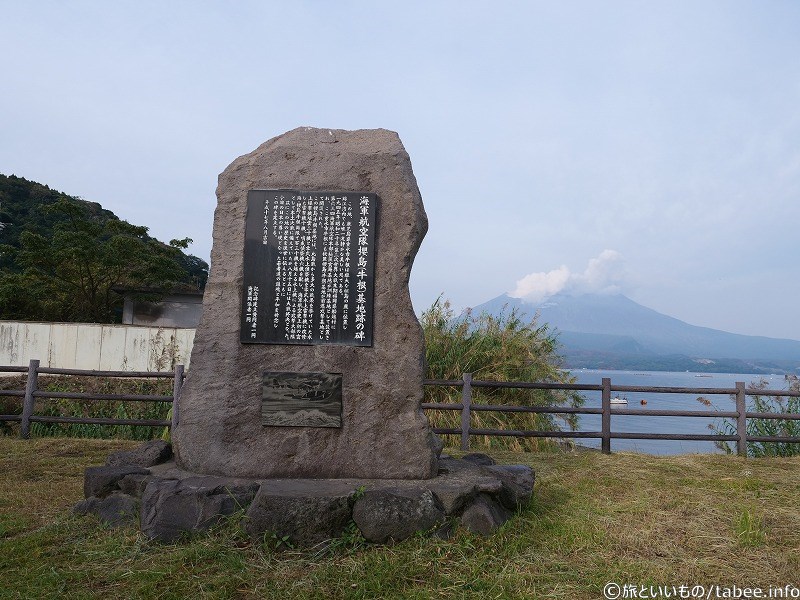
point(309, 267)
point(301, 399)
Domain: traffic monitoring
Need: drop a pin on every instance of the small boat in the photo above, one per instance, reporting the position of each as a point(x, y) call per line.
point(619, 400)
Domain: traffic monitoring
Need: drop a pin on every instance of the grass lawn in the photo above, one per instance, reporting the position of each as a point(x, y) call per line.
point(627, 518)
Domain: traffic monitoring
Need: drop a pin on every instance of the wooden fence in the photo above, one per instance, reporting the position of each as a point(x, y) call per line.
point(605, 435)
point(31, 393)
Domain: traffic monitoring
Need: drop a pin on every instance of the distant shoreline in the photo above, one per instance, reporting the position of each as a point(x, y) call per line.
point(673, 364)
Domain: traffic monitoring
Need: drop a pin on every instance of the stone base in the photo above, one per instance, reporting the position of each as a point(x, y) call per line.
point(172, 502)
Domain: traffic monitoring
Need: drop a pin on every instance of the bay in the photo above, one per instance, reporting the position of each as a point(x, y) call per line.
point(652, 401)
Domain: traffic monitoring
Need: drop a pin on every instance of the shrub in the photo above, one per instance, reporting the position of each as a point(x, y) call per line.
point(765, 427)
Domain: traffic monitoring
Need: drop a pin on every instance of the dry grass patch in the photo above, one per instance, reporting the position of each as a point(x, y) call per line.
point(680, 519)
point(43, 478)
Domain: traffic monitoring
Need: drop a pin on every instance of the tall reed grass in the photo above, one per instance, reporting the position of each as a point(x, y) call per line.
point(496, 348)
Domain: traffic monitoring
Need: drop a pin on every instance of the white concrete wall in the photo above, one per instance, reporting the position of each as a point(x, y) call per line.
point(94, 346)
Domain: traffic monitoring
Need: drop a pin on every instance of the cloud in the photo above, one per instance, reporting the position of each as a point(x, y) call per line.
point(604, 274)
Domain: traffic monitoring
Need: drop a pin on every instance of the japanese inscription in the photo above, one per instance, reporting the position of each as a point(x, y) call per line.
point(309, 267)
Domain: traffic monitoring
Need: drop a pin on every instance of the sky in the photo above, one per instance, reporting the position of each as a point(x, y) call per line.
point(644, 148)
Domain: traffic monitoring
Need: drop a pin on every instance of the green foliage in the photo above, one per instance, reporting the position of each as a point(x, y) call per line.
point(502, 348)
point(749, 529)
point(72, 275)
point(166, 433)
point(104, 409)
point(10, 405)
point(765, 427)
point(62, 258)
point(272, 541)
point(23, 207)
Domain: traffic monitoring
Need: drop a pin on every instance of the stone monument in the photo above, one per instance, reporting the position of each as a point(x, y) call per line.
point(302, 405)
point(315, 233)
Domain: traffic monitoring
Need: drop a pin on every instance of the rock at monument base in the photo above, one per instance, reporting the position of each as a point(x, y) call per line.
point(394, 514)
point(484, 515)
point(101, 481)
point(457, 490)
point(115, 510)
point(517, 482)
point(134, 484)
point(148, 454)
point(171, 502)
point(173, 508)
point(478, 458)
point(303, 520)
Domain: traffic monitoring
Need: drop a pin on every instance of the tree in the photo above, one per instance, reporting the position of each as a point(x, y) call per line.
point(71, 274)
point(496, 348)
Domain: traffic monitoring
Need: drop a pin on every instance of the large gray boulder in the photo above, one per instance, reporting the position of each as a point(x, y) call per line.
point(384, 433)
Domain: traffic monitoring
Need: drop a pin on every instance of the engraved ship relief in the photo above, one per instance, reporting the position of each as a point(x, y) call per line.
point(301, 399)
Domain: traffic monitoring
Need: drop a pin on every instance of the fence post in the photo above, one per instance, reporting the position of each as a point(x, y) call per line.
point(466, 402)
point(605, 443)
point(741, 420)
point(177, 384)
point(27, 403)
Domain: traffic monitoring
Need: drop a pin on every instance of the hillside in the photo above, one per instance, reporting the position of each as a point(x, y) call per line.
point(62, 258)
point(23, 206)
point(613, 331)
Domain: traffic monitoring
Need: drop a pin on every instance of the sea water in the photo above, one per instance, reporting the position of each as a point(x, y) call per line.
point(654, 424)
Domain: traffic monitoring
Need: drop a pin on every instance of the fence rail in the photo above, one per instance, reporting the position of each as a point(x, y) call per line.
point(605, 435)
point(31, 393)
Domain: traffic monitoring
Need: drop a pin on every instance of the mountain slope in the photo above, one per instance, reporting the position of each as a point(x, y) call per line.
point(65, 259)
point(24, 207)
point(615, 323)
